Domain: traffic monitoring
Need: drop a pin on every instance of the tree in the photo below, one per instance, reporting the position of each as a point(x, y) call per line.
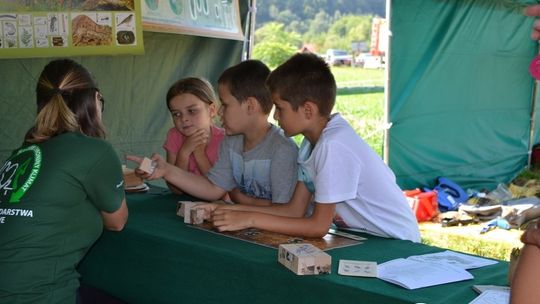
point(318, 27)
point(273, 45)
point(347, 29)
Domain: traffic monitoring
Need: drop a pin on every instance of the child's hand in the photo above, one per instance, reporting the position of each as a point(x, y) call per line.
point(208, 209)
point(197, 140)
point(230, 220)
point(160, 166)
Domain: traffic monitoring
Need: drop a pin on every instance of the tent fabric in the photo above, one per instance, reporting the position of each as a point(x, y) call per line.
point(134, 88)
point(460, 92)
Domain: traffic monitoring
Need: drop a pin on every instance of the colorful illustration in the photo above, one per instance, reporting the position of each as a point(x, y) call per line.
point(87, 32)
point(69, 27)
point(67, 5)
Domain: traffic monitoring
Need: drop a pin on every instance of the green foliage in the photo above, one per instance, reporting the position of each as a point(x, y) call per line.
point(273, 53)
point(276, 45)
point(347, 29)
point(303, 11)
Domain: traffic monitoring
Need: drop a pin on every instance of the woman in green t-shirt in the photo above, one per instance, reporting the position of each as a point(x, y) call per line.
point(58, 190)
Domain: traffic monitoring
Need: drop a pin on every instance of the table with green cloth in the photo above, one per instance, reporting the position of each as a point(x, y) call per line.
point(158, 258)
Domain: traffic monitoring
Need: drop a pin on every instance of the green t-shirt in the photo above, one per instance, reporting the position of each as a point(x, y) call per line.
point(50, 197)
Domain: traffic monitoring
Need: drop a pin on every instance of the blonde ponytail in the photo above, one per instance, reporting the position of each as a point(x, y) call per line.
point(54, 118)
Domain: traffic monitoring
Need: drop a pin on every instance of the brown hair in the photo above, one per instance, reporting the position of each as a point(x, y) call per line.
point(304, 76)
point(199, 87)
point(246, 79)
point(65, 94)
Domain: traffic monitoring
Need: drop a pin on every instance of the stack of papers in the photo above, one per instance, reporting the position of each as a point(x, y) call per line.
point(430, 269)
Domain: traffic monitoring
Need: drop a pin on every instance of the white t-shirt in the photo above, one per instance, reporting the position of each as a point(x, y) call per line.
point(343, 169)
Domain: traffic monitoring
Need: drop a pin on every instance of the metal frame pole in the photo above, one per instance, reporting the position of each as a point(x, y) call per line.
point(388, 123)
point(249, 30)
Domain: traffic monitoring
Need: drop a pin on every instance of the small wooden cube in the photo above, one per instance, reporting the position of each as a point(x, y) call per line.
point(147, 165)
point(197, 216)
point(185, 210)
point(304, 259)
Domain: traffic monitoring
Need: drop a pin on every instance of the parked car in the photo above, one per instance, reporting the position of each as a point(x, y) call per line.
point(338, 57)
point(368, 61)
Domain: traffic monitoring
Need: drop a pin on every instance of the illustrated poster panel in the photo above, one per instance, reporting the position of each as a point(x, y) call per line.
point(210, 18)
point(60, 28)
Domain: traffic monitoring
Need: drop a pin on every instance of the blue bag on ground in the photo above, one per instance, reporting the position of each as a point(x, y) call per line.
point(449, 194)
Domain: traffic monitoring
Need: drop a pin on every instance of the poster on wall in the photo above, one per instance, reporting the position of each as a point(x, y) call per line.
point(58, 28)
point(210, 18)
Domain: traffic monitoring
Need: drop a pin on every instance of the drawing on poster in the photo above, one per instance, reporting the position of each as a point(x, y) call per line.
point(79, 27)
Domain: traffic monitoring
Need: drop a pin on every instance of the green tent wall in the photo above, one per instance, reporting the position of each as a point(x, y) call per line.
point(460, 92)
point(134, 88)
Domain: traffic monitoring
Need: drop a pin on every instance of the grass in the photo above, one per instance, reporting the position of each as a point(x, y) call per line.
point(363, 106)
point(496, 244)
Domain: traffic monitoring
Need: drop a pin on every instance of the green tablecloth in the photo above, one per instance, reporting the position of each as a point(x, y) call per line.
point(159, 259)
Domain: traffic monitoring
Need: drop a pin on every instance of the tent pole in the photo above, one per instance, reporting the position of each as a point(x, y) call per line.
point(387, 123)
point(532, 123)
point(249, 30)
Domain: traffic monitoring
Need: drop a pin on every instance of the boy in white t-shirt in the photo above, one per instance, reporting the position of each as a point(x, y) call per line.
point(341, 179)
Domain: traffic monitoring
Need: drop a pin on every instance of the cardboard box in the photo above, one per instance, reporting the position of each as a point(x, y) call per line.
point(304, 259)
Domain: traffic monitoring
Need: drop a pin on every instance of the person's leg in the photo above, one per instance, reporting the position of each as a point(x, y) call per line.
point(524, 286)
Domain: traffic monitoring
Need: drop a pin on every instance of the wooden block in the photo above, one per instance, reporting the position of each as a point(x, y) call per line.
point(304, 259)
point(147, 165)
point(197, 216)
point(185, 211)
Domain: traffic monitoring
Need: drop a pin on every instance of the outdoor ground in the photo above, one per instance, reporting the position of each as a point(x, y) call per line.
point(497, 243)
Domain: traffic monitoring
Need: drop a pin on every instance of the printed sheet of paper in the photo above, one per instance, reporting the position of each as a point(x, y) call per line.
point(461, 260)
point(482, 288)
point(357, 268)
point(413, 274)
point(492, 297)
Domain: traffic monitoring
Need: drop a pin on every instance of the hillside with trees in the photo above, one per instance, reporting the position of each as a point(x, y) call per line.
point(285, 26)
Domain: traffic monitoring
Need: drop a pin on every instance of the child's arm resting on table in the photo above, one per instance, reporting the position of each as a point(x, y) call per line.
point(240, 198)
point(196, 185)
point(282, 218)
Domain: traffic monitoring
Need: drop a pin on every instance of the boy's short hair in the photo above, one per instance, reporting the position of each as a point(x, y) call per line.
point(304, 76)
point(247, 79)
